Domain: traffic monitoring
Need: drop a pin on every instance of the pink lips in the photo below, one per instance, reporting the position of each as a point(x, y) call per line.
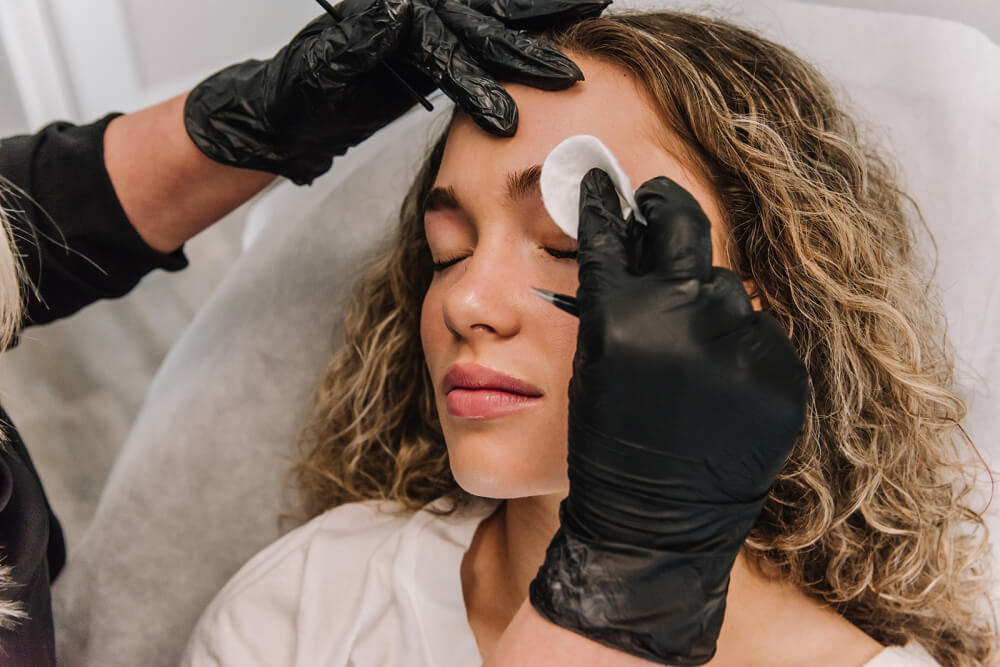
point(477, 392)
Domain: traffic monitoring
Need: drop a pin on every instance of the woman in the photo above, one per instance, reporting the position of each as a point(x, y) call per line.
point(863, 541)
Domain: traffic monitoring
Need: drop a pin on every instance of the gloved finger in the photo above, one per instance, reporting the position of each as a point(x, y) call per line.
point(480, 96)
point(344, 9)
point(728, 304)
point(441, 56)
point(677, 243)
point(603, 235)
point(355, 44)
point(784, 381)
point(538, 15)
point(508, 54)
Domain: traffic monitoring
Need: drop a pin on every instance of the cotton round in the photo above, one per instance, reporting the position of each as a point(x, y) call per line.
point(564, 169)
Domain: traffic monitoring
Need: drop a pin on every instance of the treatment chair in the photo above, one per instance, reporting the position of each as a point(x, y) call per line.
point(197, 489)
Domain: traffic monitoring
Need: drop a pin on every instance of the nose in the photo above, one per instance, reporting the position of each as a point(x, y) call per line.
point(483, 298)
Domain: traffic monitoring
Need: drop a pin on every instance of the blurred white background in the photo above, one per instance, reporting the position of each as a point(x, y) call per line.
point(77, 59)
point(74, 387)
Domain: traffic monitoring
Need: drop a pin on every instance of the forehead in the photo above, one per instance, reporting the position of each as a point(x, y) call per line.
point(607, 104)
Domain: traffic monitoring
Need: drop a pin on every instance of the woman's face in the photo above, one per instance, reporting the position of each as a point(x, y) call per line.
point(507, 438)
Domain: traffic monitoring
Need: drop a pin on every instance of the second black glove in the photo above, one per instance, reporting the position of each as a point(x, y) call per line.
point(326, 91)
point(684, 404)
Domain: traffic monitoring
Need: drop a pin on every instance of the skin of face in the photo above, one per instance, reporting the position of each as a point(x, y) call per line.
point(481, 310)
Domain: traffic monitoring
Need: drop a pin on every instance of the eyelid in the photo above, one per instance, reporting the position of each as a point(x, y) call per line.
point(554, 252)
point(444, 264)
point(563, 254)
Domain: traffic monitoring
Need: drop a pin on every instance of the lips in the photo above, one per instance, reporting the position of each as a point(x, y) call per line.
point(477, 392)
point(476, 377)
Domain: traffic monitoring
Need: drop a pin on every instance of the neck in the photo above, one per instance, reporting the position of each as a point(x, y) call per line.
point(505, 554)
point(525, 528)
point(510, 545)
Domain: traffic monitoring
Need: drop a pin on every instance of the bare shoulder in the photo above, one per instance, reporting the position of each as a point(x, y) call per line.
point(911, 655)
point(771, 622)
point(839, 643)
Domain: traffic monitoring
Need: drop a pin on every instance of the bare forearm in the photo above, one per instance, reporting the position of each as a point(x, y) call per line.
point(532, 640)
point(167, 187)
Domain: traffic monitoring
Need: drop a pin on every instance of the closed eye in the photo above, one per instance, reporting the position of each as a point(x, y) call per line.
point(441, 266)
point(555, 252)
point(562, 254)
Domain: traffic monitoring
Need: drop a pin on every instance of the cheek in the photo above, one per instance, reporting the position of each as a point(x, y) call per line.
point(555, 348)
point(562, 349)
point(430, 326)
point(562, 346)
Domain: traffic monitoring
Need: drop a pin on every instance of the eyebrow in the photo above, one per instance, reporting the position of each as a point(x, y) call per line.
point(521, 184)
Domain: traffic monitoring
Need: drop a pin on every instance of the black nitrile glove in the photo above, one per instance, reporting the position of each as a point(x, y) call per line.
point(329, 88)
point(683, 406)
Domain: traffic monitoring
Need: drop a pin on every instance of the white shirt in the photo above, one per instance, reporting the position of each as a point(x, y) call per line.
point(360, 587)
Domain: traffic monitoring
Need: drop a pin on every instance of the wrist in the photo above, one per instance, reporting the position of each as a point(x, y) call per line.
point(170, 198)
point(661, 606)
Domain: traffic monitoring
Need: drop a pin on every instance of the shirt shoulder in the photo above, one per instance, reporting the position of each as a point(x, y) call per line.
point(255, 618)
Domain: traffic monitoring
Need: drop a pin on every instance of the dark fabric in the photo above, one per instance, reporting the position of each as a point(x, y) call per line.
point(77, 246)
point(75, 241)
point(33, 546)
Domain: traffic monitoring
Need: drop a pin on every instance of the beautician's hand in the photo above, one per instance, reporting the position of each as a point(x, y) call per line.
point(326, 91)
point(684, 404)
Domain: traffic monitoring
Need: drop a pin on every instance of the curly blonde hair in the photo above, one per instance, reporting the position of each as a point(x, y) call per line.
point(870, 513)
point(10, 274)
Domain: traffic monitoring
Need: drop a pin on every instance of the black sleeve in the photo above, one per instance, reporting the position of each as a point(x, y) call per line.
point(74, 239)
point(33, 550)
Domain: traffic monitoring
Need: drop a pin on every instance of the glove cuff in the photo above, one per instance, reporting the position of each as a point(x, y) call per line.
point(661, 606)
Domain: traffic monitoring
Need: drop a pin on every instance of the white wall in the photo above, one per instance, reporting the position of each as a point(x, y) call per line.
point(77, 59)
point(982, 14)
point(181, 40)
point(12, 118)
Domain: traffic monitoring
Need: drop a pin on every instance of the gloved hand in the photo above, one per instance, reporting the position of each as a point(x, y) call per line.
point(683, 406)
point(329, 89)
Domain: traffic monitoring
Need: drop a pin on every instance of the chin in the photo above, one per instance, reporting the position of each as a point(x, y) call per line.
point(492, 472)
point(485, 486)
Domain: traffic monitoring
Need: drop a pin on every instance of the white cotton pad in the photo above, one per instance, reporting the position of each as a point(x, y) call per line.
point(564, 169)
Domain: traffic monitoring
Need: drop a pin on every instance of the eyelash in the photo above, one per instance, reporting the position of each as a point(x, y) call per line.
point(558, 254)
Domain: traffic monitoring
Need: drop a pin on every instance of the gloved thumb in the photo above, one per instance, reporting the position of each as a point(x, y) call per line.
point(677, 243)
point(605, 244)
